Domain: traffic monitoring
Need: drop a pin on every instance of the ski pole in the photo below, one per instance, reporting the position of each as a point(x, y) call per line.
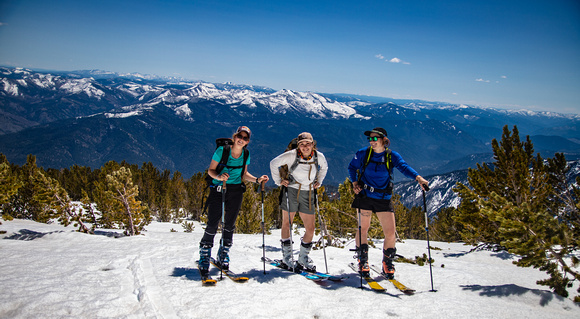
point(359, 248)
point(360, 245)
point(320, 222)
point(290, 228)
point(263, 231)
point(223, 217)
point(427, 229)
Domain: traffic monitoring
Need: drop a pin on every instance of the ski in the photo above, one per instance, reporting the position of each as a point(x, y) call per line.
point(279, 264)
point(404, 289)
point(370, 281)
point(327, 276)
point(321, 274)
point(230, 274)
point(206, 280)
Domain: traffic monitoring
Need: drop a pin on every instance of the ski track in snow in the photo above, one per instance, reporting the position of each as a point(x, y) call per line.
point(50, 271)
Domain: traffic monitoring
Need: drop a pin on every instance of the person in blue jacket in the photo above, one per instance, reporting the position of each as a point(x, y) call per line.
point(371, 171)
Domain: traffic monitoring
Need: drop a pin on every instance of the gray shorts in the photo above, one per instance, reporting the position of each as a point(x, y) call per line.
point(302, 203)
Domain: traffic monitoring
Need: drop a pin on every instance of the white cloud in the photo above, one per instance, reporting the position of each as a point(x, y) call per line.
point(504, 77)
point(2, 24)
point(482, 80)
point(453, 93)
point(393, 60)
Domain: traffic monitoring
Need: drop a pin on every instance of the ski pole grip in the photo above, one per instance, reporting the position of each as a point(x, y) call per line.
point(426, 187)
point(263, 185)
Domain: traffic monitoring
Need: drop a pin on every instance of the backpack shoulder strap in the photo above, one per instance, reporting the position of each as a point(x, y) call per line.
point(366, 161)
point(368, 154)
point(389, 163)
point(295, 164)
point(246, 155)
point(224, 160)
point(315, 157)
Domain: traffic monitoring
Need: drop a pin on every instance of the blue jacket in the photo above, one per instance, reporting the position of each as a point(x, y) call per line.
point(377, 175)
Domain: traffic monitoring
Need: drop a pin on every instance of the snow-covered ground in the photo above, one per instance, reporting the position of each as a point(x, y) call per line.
point(49, 271)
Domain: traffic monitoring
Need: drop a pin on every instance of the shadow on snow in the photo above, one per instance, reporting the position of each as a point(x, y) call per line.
point(510, 290)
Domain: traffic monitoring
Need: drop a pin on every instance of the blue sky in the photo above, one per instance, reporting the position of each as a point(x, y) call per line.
point(506, 54)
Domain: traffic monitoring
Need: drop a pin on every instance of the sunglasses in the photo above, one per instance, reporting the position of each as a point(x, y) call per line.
point(243, 137)
point(373, 138)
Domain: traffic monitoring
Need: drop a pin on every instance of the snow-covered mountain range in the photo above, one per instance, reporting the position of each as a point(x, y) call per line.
point(91, 117)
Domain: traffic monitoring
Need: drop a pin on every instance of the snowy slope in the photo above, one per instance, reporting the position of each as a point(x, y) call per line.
point(50, 271)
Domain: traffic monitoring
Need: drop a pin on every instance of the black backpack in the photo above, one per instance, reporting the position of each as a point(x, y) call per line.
point(226, 143)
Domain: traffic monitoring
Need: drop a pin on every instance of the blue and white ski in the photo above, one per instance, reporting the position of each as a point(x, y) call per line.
point(315, 276)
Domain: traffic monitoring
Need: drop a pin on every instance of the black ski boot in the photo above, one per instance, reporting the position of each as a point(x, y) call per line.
point(223, 258)
point(388, 267)
point(204, 259)
point(363, 259)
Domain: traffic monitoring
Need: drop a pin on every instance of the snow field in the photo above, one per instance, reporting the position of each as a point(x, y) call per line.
point(52, 271)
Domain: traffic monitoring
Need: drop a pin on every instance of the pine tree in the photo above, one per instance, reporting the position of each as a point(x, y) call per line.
point(90, 213)
point(401, 217)
point(56, 198)
point(9, 184)
point(197, 194)
point(250, 216)
point(443, 227)
point(29, 202)
point(179, 197)
point(514, 206)
point(120, 202)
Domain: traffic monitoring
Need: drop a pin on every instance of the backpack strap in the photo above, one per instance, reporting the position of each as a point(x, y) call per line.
point(297, 161)
point(387, 159)
point(246, 155)
point(366, 161)
point(224, 160)
point(221, 165)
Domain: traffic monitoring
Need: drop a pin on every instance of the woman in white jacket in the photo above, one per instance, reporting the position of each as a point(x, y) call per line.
point(306, 170)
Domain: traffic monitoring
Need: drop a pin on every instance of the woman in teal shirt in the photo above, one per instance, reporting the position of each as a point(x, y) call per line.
point(232, 175)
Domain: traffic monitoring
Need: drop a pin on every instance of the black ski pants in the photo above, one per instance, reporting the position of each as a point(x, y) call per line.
point(233, 202)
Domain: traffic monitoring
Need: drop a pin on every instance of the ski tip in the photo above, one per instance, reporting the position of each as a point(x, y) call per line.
point(208, 282)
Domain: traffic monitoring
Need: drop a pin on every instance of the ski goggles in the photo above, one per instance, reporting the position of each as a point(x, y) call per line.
point(373, 138)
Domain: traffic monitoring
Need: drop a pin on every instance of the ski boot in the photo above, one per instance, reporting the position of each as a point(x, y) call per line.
point(287, 259)
point(223, 258)
point(363, 260)
point(388, 267)
point(204, 259)
point(304, 262)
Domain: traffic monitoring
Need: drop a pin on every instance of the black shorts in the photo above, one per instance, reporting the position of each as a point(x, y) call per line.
point(373, 204)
